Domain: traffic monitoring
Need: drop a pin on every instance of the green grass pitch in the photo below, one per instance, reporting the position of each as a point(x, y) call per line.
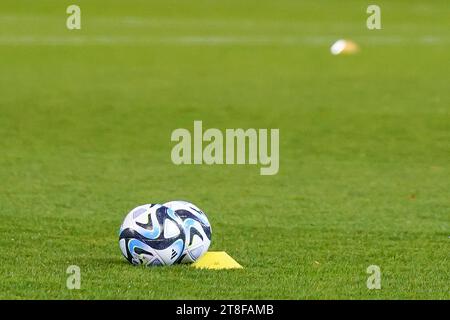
point(85, 123)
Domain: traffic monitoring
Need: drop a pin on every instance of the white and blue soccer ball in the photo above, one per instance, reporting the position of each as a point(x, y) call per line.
point(196, 227)
point(152, 235)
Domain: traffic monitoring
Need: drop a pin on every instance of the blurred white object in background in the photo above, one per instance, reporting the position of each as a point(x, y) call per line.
point(344, 47)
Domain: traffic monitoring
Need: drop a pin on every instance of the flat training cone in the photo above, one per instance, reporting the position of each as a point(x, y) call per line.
point(216, 260)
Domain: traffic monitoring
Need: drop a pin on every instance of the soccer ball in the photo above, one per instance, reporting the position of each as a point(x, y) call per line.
point(152, 235)
point(196, 227)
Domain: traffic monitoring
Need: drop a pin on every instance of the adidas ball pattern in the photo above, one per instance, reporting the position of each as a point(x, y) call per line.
point(196, 227)
point(155, 234)
point(152, 235)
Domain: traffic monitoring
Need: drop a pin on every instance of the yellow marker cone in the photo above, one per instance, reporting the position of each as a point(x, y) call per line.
point(216, 260)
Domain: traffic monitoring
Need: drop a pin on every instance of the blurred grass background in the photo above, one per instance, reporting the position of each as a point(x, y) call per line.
point(85, 123)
